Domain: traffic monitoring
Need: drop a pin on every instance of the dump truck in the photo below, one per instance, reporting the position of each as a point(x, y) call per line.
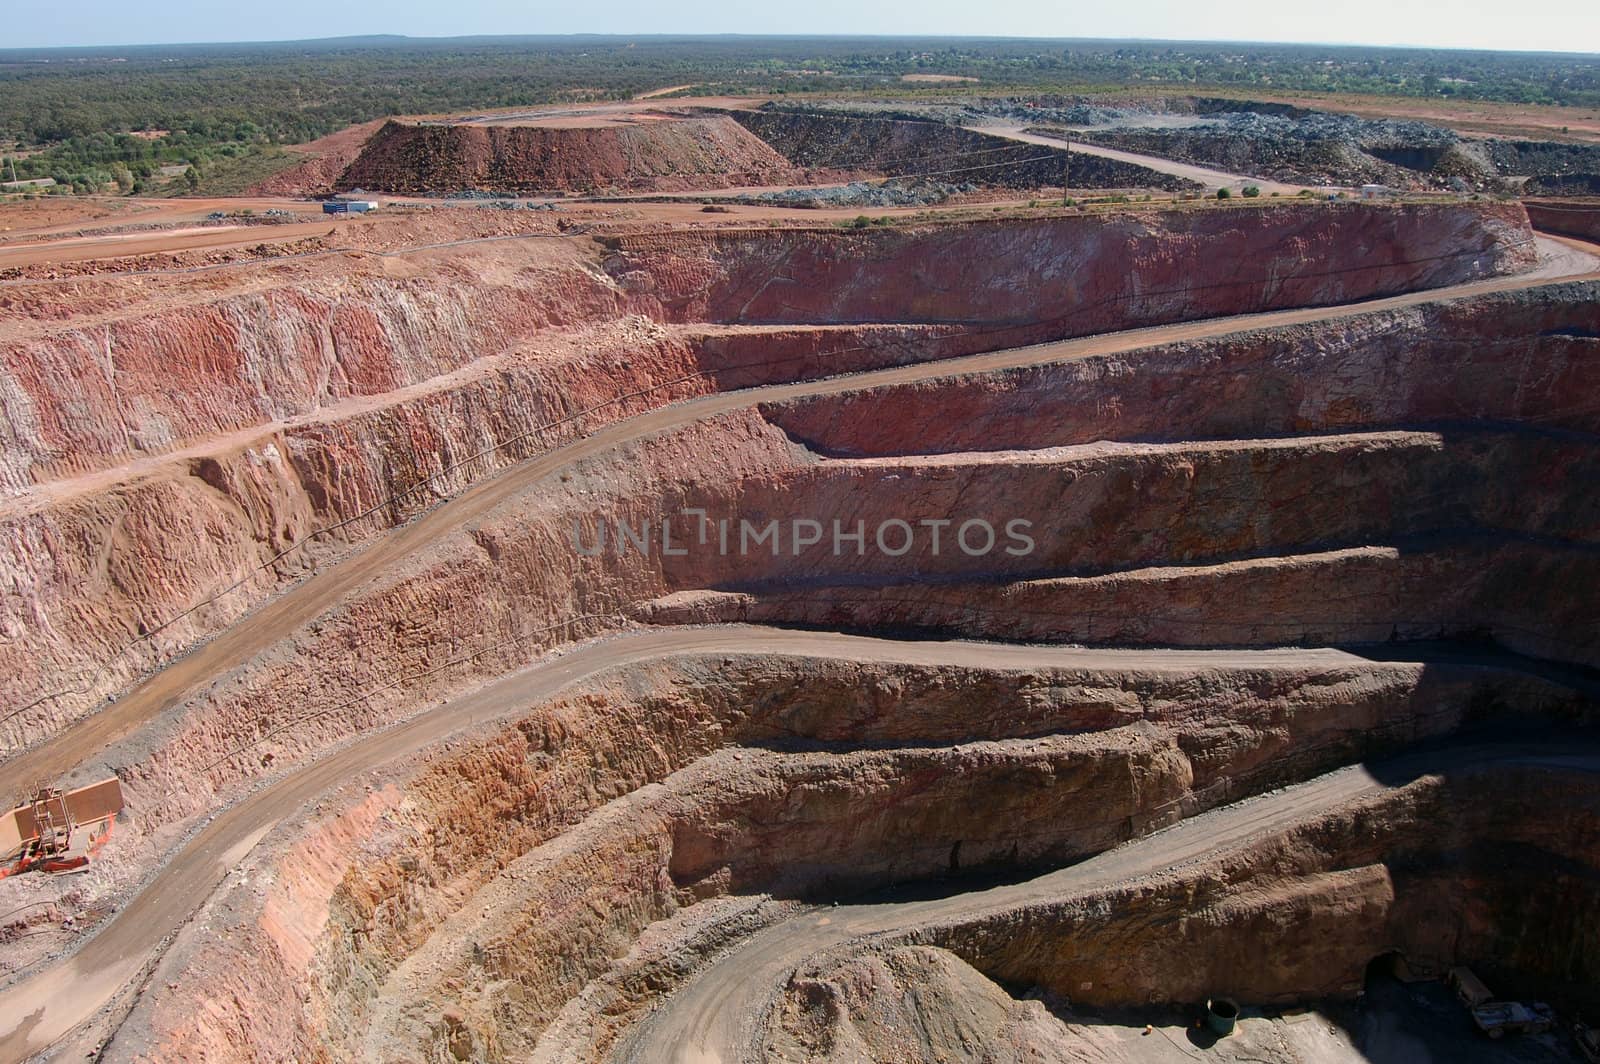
point(1499, 1018)
point(1468, 987)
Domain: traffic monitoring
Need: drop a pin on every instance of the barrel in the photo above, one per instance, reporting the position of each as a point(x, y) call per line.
point(1221, 1015)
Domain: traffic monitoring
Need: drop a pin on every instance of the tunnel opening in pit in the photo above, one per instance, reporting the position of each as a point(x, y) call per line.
point(1391, 964)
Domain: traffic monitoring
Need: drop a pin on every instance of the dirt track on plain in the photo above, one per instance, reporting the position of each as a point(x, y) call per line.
point(120, 245)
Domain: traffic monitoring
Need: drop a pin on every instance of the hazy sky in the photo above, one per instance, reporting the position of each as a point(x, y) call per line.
point(1554, 25)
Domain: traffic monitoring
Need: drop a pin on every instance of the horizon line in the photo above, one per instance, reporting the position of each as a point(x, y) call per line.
point(691, 36)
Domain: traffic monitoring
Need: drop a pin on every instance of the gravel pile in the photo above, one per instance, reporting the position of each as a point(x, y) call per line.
point(867, 194)
point(1361, 132)
point(1078, 115)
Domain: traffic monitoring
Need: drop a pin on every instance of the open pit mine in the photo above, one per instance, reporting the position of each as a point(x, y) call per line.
point(644, 635)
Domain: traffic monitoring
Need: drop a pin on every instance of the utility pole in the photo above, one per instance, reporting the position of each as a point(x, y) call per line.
point(1066, 167)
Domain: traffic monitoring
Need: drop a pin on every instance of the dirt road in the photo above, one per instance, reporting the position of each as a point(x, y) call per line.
point(1211, 179)
point(608, 109)
point(277, 619)
point(668, 91)
point(124, 245)
point(41, 1009)
point(719, 1016)
point(86, 214)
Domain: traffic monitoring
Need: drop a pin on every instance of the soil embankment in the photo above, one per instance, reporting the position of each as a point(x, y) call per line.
point(657, 152)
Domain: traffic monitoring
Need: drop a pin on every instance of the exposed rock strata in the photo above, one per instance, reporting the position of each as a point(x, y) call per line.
point(1471, 868)
point(301, 408)
point(494, 879)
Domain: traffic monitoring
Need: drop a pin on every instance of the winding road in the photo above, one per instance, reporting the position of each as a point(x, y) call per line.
point(719, 1016)
point(38, 1010)
point(46, 1006)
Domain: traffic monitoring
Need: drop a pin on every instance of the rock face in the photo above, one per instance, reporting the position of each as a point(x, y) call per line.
point(1340, 149)
point(537, 870)
point(910, 1004)
point(1467, 588)
point(1426, 875)
point(353, 403)
point(324, 159)
point(1579, 218)
point(1530, 358)
point(1420, 560)
point(658, 152)
point(1025, 280)
point(900, 147)
point(90, 389)
point(495, 879)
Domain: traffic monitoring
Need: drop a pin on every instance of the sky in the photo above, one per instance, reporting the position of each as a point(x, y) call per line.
point(1544, 25)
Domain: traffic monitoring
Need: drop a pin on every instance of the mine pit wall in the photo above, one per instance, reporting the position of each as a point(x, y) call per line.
point(1099, 510)
point(1475, 589)
point(406, 358)
point(521, 859)
point(109, 562)
point(479, 591)
point(1493, 868)
point(1055, 275)
point(79, 398)
point(519, 571)
point(1575, 218)
point(498, 593)
point(531, 575)
point(1528, 356)
point(104, 568)
point(1305, 160)
point(82, 398)
point(86, 397)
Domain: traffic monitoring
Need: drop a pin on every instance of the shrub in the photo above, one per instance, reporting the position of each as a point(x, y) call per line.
point(1223, 193)
point(1251, 192)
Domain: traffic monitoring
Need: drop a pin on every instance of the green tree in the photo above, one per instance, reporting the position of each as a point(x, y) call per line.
point(191, 177)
